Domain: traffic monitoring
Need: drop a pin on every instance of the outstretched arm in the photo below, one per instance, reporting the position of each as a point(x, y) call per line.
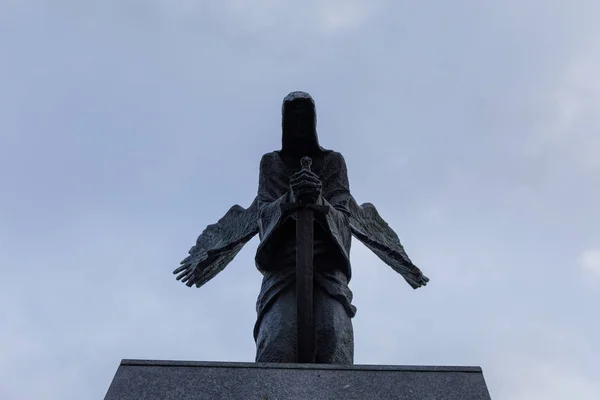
point(368, 227)
point(218, 244)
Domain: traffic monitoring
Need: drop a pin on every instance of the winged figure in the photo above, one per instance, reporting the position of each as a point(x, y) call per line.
point(281, 184)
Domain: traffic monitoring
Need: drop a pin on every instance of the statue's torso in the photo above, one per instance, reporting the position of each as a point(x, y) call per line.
point(283, 244)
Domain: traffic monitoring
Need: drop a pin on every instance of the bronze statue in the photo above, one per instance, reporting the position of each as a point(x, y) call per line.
point(291, 195)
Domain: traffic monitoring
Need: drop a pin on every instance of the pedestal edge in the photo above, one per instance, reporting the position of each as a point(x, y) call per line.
point(356, 367)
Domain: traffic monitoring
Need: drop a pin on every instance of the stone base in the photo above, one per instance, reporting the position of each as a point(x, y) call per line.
point(183, 380)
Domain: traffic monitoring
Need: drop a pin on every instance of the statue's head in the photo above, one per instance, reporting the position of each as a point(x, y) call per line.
point(299, 124)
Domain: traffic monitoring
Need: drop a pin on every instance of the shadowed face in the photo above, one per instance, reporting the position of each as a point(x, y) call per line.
point(299, 115)
point(299, 126)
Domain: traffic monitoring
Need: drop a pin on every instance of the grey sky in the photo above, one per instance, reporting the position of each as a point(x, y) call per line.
point(128, 126)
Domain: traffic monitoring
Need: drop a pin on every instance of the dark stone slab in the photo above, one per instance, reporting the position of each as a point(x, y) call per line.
point(182, 380)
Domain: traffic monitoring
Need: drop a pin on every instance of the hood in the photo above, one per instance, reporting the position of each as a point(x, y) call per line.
point(299, 134)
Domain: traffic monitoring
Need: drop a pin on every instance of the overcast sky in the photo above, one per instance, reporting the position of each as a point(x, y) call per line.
point(127, 126)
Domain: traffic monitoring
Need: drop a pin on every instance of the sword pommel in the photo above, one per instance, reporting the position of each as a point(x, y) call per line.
point(306, 162)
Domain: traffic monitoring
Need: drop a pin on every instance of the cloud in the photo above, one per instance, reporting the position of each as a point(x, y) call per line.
point(590, 261)
point(338, 16)
point(313, 17)
point(571, 127)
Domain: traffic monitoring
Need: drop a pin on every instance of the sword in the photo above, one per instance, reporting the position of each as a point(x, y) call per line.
point(306, 350)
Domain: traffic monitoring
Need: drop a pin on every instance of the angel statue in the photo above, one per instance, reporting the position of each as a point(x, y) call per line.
point(281, 184)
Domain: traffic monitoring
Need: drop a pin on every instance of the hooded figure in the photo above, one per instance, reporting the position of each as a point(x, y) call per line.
point(281, 184)
point(299, 126)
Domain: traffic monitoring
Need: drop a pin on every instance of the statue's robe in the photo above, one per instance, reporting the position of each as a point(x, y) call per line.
point(275, 259)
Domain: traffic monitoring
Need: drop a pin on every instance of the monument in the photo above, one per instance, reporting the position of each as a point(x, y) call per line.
point(305, 217)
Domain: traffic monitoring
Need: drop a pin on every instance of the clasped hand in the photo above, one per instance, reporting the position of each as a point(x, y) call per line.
point(305, 186)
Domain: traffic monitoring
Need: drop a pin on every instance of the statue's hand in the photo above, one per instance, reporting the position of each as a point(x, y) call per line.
point(187, 271)
point(421, 279)
point(305, 186)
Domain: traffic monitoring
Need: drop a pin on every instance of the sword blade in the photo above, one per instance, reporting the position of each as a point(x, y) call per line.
point(304, 285)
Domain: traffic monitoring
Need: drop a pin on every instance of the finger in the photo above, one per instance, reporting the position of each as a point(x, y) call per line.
point(304, 171)
point(182, 275)
point(186, 260)
point(304, 177)
point(190, 283)
point(303, 181)
point(307, 189)
point(307, 183)
point(190, 274)
point(307, 174)
point(178, 270)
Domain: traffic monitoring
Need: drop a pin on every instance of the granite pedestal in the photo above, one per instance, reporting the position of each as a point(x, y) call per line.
point(183, 380)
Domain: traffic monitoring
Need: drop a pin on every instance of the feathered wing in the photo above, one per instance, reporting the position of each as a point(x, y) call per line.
point(368, 227)
point(219, 243)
